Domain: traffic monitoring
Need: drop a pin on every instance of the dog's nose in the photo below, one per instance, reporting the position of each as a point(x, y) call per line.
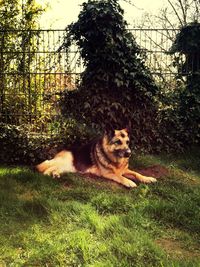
point(127, 153)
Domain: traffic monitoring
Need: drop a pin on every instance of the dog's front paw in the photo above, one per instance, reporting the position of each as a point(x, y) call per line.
point(129, 184)
point(148, 180)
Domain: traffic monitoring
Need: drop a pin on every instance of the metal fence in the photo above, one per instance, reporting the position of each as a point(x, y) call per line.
point(33, 73)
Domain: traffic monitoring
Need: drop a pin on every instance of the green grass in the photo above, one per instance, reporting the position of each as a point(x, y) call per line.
point(86, 222)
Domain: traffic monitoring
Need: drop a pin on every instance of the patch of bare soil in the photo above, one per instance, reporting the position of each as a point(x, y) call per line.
point(156, 171)
point(177, 250)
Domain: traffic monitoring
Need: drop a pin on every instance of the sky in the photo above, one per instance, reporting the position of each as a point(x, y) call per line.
point(60, 13)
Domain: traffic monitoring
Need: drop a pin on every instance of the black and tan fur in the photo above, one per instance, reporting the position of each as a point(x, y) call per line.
point(107, 157)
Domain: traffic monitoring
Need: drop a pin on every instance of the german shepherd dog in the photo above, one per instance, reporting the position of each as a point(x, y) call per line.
point(107, 157)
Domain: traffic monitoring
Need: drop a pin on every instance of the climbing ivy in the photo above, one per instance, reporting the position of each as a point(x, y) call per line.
point(116, 87)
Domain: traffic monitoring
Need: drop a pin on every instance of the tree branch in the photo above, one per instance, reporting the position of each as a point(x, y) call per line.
point(175, 11)
point(184, 11)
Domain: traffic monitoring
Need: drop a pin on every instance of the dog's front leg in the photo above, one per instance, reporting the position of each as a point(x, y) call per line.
point(139, 177)
point(119, 179)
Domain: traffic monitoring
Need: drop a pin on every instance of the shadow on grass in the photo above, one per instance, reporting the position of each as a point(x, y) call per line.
point(19, 199)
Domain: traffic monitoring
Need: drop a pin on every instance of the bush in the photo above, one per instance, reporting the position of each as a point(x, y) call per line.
point(187, 43)
point(19, 147)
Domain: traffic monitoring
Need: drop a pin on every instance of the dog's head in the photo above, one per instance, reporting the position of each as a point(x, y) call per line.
point(116, 143)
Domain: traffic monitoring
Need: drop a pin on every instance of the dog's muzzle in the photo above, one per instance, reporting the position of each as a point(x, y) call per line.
point(120, 153)
point(127, 153)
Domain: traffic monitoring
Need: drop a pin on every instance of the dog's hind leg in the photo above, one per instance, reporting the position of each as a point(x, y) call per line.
point(52, 171)
point(60, 164)
point(49, 167)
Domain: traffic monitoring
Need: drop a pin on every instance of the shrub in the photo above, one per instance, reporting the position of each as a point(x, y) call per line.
point(19, 147)
point(187, 43)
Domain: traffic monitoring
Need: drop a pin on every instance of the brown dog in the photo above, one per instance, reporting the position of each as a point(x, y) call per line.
point(107, 157)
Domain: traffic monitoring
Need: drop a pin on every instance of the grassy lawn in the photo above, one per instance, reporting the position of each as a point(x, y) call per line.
point(86, 222)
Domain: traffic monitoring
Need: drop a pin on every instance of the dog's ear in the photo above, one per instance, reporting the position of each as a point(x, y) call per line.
point(110, 132)
point(128, 128)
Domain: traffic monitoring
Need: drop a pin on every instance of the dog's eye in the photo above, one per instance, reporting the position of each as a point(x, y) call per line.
point(118, 142)
point(128, 142)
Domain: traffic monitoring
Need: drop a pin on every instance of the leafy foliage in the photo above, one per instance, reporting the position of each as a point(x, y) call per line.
point(116, 87)
point(188, 109)
point(17, 51)
point(20, 146)
point(17, 146)
point(187, 40)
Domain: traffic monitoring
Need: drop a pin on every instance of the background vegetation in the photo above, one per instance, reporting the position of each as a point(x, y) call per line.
point(18, 19)
point(116, 87)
